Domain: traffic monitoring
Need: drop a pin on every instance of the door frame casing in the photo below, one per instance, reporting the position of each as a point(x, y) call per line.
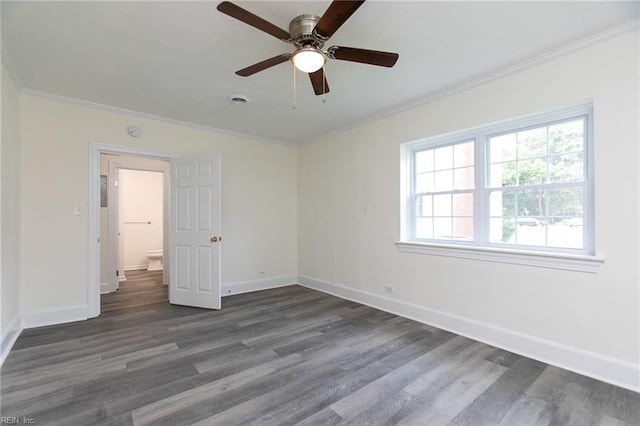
point(93, 211)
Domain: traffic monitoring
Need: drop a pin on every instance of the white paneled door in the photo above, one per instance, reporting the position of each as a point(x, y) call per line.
point(195, 232)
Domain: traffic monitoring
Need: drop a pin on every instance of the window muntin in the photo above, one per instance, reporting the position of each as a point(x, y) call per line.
point(523, 185)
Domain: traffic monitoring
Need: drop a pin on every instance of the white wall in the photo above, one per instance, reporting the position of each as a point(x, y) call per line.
point(259, 220)
point(592, 317)
point(141, 215)
point(9, 213)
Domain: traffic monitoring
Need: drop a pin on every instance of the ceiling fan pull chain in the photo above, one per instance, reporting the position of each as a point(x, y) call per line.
point(324, 86)
point(294, 85)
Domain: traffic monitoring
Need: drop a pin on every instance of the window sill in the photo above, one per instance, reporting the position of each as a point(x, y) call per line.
point(568, 262)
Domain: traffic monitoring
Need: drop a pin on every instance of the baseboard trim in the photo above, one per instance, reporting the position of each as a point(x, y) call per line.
point(606, 369)
point(257, 285)
point(106, 288)
point(9, 337)
point(54, 316)
point(135, 268)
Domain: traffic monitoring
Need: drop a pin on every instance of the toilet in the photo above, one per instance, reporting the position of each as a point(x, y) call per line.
point(155, 260)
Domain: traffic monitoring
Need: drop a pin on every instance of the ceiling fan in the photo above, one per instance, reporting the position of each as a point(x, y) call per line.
point(308, 33)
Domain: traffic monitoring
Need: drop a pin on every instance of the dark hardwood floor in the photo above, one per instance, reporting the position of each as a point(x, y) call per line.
point(280, 357)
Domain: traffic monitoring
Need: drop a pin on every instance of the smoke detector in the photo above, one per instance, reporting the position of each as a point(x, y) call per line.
point(134, 131)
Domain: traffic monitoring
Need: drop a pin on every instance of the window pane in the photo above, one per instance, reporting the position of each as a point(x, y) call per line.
point(442, 205)
point(531, 202)
point(502, 148)
point(532, 143)
point(424, 161)
point(567, 136)
point(565, 202)
point(443, 157)
point(566, 168)
point(565, 236)
point(464, 178)
point(502, 204)
point(531, 172)
point(442, 228)
point(463, 204)
point(502, 230)
point(424, 227)
point(424, 182)
point(530, 233)
point(444, 180)
point(463, 228)
point(547, 218)
point(463, 154)
point(502, 174)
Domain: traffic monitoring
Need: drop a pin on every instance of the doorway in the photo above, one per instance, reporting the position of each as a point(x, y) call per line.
point(97, 238)
point(135, 218)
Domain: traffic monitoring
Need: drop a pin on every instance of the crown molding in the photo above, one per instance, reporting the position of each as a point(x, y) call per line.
point(147, 116)
point(10, 65)
point(452, 89)
point(492, 75)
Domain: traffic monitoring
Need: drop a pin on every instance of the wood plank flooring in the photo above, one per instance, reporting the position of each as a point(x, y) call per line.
point(282, 357)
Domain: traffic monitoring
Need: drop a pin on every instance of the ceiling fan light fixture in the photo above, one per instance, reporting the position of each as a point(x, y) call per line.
point(308, 59)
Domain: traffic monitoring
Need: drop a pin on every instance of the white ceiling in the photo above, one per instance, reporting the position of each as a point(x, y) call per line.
point(177, 59)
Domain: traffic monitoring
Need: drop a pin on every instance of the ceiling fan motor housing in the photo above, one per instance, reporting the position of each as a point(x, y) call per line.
point(301, 29)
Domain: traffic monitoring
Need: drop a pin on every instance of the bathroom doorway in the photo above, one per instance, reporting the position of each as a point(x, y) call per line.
point(135, 219)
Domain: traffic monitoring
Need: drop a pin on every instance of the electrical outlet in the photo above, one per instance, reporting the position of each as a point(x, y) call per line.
point(262, 273)
point(388, 289)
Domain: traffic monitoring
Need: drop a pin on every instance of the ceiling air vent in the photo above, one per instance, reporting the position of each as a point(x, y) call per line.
point(238, 99)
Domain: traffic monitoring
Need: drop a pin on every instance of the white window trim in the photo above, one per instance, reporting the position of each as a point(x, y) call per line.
point(552, 260)
point(545, 257)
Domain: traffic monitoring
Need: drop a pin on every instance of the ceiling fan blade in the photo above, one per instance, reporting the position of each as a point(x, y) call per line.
point(365, 56)
point(261, 66)
point(336, 15)
point(319, 82)
point(255, 21)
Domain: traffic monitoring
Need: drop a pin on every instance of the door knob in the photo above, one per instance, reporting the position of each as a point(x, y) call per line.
point(214, 239)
